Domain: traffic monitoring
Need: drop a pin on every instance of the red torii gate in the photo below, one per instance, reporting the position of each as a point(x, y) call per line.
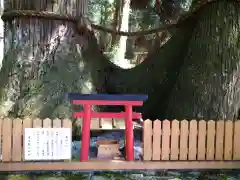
point(88, 100)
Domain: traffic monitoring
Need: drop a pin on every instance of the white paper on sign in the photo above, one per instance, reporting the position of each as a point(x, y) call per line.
point(47, 143)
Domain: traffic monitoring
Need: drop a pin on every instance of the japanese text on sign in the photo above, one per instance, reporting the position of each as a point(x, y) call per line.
point(47, 143)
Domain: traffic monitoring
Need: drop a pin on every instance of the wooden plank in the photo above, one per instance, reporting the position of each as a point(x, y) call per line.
point(219, 140)
point(1, 123)
point(114, 121)
point(183, 140)
point(67, 123)
point(47, 123)
point(57, 123)
point(157, 131)
point(166, 140)
point(236, 143)
point(117, 165)
point(228, 140)
point(175, 140)
point(106, 123)
point(17, 140)
point(27, 123)
point(95, 123)
point(210, 140)
point(192, 151)
point(202, 131)
point(118, 123)
point(7, 140)
point(147, 139)
point(37, 123)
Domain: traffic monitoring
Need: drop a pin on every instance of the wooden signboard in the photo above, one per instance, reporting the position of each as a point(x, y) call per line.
point(47, 144)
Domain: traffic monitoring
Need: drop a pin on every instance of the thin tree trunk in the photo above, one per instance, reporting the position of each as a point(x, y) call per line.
point(116, 20)
point(119, 57)
point(208, 86)
point(103, 36)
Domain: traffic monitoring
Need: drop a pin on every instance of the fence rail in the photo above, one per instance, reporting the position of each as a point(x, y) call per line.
point(191, 140)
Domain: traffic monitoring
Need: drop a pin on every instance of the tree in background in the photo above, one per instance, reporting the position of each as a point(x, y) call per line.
point(119, 55)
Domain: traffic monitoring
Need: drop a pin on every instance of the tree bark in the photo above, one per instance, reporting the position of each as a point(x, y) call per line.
point(208, 86)
point(43, 62)
point(46, 59)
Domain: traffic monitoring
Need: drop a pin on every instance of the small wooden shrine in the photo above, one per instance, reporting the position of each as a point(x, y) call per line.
point(108, 149)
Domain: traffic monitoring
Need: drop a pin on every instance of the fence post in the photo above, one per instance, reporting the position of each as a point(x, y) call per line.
point(157, 133)
point(147, 140)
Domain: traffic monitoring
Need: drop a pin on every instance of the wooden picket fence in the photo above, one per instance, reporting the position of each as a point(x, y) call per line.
point(166, 145)
point(191, 140)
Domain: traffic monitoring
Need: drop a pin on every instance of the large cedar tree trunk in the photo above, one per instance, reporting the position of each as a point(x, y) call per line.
point(44, 60)
point(208, 86)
